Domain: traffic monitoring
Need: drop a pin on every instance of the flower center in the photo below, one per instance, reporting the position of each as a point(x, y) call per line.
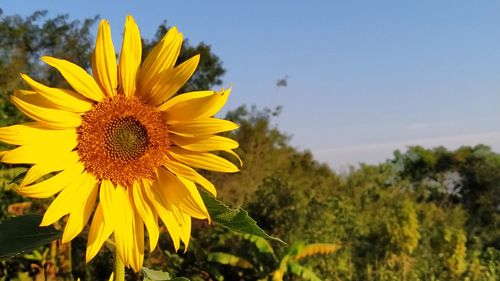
point(126, 138)
point(123, 140)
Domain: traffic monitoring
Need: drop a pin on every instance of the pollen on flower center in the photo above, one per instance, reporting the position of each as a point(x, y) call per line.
point(126, 138)
point(123, 140)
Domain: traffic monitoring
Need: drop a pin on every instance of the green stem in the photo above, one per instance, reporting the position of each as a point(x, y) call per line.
point(119, 273)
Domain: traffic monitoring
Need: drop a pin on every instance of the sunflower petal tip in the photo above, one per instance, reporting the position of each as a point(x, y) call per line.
point(46, 59)
point(44, 222)
point(176, 247)
point(130, 21)
point(65, 240)
point(90, 253)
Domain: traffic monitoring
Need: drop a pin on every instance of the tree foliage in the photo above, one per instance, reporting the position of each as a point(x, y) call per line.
point(426, 214)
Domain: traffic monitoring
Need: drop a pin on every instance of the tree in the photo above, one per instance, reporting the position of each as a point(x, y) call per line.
point(467, 176)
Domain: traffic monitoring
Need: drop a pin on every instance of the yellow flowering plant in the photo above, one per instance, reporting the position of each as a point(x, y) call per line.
point(121, 148)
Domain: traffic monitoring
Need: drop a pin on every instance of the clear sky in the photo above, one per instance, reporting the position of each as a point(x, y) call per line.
point(364, 77)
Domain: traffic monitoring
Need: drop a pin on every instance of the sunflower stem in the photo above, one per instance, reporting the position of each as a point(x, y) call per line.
point(119, 272)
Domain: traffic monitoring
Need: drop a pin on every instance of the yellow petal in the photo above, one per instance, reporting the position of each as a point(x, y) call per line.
point(164, 210)
point(235, 156)
point(99, 232)
point(148, 193)
point(119, 222)
point(162, 57)
point(53, 185)
point(141, 203)
point(65, 201)
point(183, 220)
point(53, 118)
point(35, 98)
point(123, 224)
point(24, 92)
point(33, 133)
point(77, 77)
point(184, 97)
point(82, 208)
point(176, 192)
point(105, 60)
point(61, 98)
point(185, 225)
point(62, 205)
point(200, 127)
point(109, 215)
point(204, 143)
point(172, 81)
point(130, 57)
point(202, 160)
point(39, 153)
point(190, 174)
point(137, 232)
point(54, 164)
point(200, 107)
point(106, 195)
point(195, 196)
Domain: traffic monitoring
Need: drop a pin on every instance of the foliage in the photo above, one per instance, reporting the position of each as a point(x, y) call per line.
point(233, 219)
point(260, 261)
point(24, 235)
point(298, 251)
point(426, 214)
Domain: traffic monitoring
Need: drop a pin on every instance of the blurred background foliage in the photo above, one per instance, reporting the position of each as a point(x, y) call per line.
point(425, 214)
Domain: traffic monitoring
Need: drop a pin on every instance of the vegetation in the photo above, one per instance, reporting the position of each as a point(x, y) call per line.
point(426, 214)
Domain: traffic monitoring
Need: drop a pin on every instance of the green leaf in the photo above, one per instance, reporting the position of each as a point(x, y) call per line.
point(155, 275)
point(19, 177)
point(22, 234)
point(262, 245)
point(158, 275)
point(10, 176)
point(308, 250)
point(233, 219)
point(302, 271)
point(228, 259)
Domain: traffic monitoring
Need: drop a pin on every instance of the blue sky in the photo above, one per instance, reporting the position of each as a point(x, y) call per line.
point(365, 77)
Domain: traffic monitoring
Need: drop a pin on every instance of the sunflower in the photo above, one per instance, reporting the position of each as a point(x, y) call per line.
point(121, 140)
